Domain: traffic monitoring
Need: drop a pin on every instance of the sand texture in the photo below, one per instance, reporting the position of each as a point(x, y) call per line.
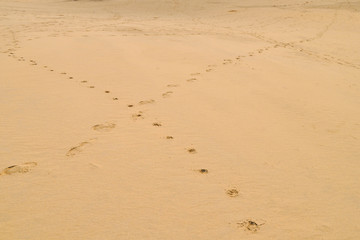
point(179, 120)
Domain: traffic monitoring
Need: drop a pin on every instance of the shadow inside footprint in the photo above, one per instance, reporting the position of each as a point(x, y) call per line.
point(22, 168)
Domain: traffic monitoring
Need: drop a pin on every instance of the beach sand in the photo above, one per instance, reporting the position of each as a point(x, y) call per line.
point(201, 119)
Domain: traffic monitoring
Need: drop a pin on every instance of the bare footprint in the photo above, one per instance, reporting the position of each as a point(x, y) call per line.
point(167, 94)
point(202, 171)
point(138, 115)
point(194, 74)
point(147, 102)
point(250, 225)
point(172, 85)
point(104, 127)
point(232, 192)
point(77, 149)
point(191, 150)
point(227, 61)
point(22, 168)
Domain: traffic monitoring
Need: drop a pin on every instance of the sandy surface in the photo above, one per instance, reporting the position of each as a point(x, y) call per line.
point(110, 109)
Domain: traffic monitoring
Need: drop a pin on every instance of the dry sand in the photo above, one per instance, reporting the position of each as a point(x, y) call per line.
point(139, 119)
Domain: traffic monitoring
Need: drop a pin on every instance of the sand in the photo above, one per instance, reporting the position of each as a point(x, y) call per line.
point(200, 119)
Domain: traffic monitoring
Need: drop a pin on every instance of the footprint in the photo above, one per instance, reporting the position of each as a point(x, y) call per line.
point(138, 115)
point(104, 127)
point(107, 91)
point(130, 105)
point(233, 192)
point(250, 225)
point(232, 11)
point(84, 81)
point(167, 94)
point(147, 102)
point(203, 171)
point(172, 85)
point(227, 61)
point(22, 168)
point(169, 137)
point(157, 124)
point(64, 73)
point(194, 74)
point(191, 150)
point(208, 70)
point(70, 77)
point(77, 149)
point(115, 98)
point(191, 79)
point(91, 86)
